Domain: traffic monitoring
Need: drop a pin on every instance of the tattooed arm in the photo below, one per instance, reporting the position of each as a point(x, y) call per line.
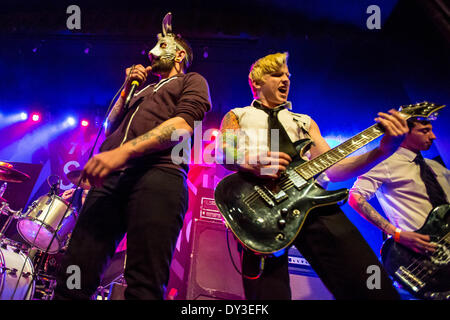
point(159, 138)
point(360, 204)
point(115, 116)
point(415, 241)
point(236, 158)
point(230, 156)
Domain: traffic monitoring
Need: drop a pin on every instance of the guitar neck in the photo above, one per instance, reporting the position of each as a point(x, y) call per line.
point(311, 168)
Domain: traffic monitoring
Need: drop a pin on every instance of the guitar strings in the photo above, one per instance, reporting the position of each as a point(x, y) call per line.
point(417, 263)
point(443, 239)
point(306, 171)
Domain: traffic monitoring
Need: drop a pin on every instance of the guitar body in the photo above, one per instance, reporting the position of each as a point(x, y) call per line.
point(426, 277)
point(265, 215)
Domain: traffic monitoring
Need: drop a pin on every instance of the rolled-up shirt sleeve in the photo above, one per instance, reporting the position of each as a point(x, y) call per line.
point(195, 100)
point(367, 184)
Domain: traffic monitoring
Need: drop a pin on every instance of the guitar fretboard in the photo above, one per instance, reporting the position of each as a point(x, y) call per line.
point(311, 168)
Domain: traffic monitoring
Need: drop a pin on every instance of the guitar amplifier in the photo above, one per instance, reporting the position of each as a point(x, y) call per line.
point(305, 283)
point(209, 211)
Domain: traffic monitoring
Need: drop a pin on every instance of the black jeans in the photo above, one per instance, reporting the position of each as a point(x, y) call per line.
point(336, 251)
point(149, 205)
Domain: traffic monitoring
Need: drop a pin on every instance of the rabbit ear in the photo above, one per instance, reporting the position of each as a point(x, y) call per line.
point(167, 24)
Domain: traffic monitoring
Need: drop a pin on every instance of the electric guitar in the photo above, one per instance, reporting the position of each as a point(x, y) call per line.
point(424, 276)
point(267, 215)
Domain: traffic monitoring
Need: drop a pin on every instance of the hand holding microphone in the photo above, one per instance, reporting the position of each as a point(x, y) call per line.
point(136, 76)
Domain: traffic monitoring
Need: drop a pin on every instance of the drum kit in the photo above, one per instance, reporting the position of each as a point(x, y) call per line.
point(28, 270)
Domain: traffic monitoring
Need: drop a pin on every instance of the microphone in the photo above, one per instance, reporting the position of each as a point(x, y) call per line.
point(134, 85)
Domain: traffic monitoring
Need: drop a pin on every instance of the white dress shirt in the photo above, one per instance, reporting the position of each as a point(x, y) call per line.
point(399, 189)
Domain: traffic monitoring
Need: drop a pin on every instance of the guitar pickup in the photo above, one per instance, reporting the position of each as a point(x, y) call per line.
point(296, 179)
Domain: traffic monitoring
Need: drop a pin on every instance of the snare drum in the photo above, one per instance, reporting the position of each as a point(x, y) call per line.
point(14, 284)
point(42, 222)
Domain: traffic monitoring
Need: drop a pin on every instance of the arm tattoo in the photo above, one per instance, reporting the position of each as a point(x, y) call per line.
point(145, 136)
point(230, 130)
point(371, 214)
point(166, 134)
point(162, 134)
point(230, 121)
point(116, 110)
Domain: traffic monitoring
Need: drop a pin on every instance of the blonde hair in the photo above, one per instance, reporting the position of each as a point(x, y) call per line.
point(266, 65)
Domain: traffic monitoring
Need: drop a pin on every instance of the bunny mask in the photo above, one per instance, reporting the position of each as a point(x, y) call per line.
point(166, 47)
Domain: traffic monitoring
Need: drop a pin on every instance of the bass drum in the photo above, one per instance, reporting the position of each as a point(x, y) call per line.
point(15, 283)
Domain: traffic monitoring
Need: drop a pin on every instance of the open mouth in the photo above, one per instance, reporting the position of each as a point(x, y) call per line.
point(283, 90)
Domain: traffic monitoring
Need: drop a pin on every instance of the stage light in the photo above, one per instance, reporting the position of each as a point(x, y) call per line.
point(210, 135)
point(215, 133)
point(84, 123)
point(23, 115)
point(71, 121)
point(35, 117)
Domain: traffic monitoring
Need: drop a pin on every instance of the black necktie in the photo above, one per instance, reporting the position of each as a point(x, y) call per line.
point(284, 142)
point(434, 189)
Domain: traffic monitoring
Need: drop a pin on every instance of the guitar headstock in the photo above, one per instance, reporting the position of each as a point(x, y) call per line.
point(421, 111)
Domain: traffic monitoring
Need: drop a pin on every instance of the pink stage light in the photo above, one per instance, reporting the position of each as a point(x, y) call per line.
point(84, 123)
point(214, 134)
point(35, 117)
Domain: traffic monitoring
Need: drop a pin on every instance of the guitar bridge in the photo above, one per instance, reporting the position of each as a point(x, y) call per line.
point(264, 195)
point(409, 279)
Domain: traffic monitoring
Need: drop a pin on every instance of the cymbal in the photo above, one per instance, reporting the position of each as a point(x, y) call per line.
point(74, 177)
point(9, 174)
